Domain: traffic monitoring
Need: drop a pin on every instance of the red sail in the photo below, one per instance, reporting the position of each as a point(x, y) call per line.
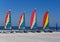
point(45, 20)
point(32, 18)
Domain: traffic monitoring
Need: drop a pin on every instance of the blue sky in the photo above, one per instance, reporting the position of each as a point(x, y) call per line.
point(18, 6)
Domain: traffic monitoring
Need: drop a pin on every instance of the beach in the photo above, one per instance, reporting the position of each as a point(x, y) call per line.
point(30, 37)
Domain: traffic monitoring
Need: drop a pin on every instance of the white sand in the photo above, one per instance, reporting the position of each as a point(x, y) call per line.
point(30, 37)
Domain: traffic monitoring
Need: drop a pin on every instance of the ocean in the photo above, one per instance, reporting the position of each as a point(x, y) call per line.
point(28, 28)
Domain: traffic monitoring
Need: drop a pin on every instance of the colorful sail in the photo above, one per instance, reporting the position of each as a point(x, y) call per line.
point(21, 23)
point(7, 23)
point(33, 19)
point(45, 20)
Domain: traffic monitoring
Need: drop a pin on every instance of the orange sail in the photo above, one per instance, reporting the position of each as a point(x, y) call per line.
point(45, 20)
point(7, 23)
point(21, 23)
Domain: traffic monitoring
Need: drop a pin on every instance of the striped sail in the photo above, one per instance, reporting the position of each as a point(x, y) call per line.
point(21, 23)
point(7, 23)
point(45, 20)
point(33, 19)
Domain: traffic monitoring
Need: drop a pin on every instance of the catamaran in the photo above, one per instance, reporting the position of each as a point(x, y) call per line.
point(46, 22)
point(33, 25)
point(7, 22)
point(33, 22)
point(21, 23)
